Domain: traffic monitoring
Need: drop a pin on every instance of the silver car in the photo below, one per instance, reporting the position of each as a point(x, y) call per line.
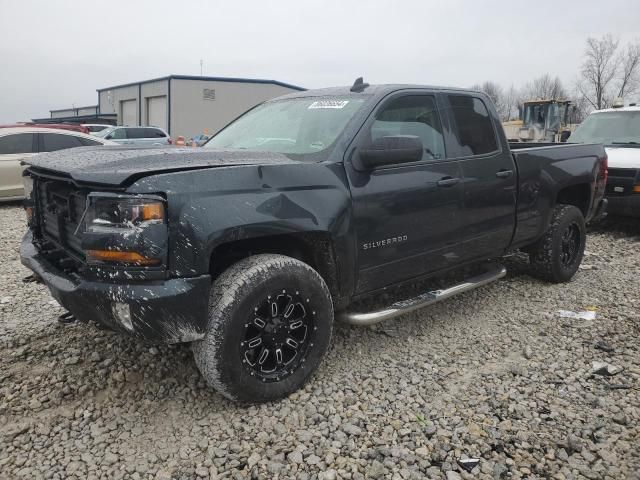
point(135, 135)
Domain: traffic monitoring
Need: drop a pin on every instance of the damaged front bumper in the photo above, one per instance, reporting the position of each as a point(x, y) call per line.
point(167, 311)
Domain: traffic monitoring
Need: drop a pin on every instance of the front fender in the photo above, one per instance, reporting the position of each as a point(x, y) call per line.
point(210, 207)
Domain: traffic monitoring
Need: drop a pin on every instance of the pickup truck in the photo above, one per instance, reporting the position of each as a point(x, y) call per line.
point(249, 247)
point(618, 129)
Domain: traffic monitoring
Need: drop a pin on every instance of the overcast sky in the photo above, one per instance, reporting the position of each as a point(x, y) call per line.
point(57, 53)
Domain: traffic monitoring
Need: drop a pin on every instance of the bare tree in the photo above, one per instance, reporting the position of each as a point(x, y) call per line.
point(629, 76)
point(496, 94)
point(546, 87)
point(511, 101)
point(598, 71)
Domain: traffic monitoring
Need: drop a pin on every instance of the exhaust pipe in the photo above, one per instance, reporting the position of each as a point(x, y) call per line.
point(423, 300)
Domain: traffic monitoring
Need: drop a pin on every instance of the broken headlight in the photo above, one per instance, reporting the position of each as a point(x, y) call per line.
point(125, 229)
point(106, 212)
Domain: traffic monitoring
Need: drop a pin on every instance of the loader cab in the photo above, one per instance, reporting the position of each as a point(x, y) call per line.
point(545, 120)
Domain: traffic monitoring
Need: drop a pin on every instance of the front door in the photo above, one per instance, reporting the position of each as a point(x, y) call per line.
point(407, 215)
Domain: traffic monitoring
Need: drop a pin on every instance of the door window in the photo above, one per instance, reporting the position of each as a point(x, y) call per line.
point(155, 133)
point(19, 143)
point(118, 134)
point(52, 142)
point(139, 132)
point(87, 142)
point(412, 115)
point(473, 129)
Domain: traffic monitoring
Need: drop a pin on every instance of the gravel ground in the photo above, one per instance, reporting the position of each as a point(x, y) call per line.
point(494, 374)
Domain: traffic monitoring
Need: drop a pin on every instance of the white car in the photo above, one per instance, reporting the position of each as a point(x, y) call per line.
point(96, 127)
point(149, 136)
point(618, 129)
point(20, 143)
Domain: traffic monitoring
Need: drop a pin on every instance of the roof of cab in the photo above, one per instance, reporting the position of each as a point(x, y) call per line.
point(375, 90)
point(634, 108)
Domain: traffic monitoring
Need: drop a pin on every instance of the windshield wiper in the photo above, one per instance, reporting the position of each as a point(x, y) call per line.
point(625, 143)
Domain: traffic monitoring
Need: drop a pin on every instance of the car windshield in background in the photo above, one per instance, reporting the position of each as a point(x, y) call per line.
point(104, 133)
point(609, 128)
point(299, 126)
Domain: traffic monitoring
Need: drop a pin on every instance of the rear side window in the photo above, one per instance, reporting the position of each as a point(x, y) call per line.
point(412, 115)
point(52, 142)
point(144, 133)
point(136, 133)
point(19, 143)
point(473, 128)
point(155, 133)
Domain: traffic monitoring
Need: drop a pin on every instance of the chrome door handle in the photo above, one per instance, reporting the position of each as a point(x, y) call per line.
point(448, 182)
point(504, 173)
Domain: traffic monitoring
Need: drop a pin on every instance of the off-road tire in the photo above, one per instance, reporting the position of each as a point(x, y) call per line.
point(546, 255)
point(233, 302)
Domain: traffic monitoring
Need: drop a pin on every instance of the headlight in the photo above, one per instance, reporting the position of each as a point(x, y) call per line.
point(108, 212)
point(125, 230)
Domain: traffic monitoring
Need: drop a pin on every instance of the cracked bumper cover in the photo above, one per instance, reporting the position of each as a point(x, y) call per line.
point(168, 311)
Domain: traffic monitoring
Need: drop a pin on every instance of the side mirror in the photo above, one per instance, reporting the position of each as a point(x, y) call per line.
point(392, 149)
point(109, 137)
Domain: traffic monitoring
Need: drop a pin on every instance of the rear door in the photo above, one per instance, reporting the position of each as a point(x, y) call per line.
point(489, 175)
point(14, 148)
point(407, 216)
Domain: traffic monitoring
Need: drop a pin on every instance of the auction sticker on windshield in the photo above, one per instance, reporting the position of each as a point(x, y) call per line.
point(328, 104)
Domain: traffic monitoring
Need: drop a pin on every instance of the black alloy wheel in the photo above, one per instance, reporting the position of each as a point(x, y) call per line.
point(278, 335)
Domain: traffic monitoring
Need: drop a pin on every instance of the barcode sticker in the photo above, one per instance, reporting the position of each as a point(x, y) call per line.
point(328, 104)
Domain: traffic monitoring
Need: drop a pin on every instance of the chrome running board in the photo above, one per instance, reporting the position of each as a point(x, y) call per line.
point(423, 300)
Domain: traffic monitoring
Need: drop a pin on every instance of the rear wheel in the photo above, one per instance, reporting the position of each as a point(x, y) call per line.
point(270, 323)
point(556, 257)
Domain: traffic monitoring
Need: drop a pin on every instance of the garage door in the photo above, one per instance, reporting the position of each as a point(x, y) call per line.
point(128, 112)
point(157, 112)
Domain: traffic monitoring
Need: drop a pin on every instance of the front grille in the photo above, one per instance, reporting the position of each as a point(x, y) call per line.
point(623, 172)
point(59, 207)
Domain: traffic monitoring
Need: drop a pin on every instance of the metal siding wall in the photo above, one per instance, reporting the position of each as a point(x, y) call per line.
point(63, 113)
point(191, 114)
point(87, 111)
point(118, 95)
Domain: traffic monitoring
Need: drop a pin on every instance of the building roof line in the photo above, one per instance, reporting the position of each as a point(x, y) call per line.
point(209, 79)
point(73, 108)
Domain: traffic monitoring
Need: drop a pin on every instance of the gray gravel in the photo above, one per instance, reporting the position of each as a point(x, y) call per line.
point(494, 374)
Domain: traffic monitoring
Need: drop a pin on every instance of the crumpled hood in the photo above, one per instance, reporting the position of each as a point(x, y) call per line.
point(623, 157)
point(116, 165)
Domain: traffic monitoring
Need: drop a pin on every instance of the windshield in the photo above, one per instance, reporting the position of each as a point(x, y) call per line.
point(535, 114)
point(609, 128)
point(298, 126)
point(104, 133)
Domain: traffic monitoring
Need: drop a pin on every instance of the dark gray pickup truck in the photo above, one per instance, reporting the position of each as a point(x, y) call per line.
point(305, 204)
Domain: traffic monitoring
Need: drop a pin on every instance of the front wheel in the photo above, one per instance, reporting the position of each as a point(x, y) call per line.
point(557, 255)
point(270, 323)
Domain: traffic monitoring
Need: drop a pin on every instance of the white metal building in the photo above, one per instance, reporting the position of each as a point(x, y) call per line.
point(187, 105)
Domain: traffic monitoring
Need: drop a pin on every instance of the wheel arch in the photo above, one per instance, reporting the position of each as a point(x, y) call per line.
point(314, 248)
point(578, 195)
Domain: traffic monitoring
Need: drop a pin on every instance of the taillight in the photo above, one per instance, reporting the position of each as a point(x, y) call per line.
point(169, 141)
point(605, 166)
